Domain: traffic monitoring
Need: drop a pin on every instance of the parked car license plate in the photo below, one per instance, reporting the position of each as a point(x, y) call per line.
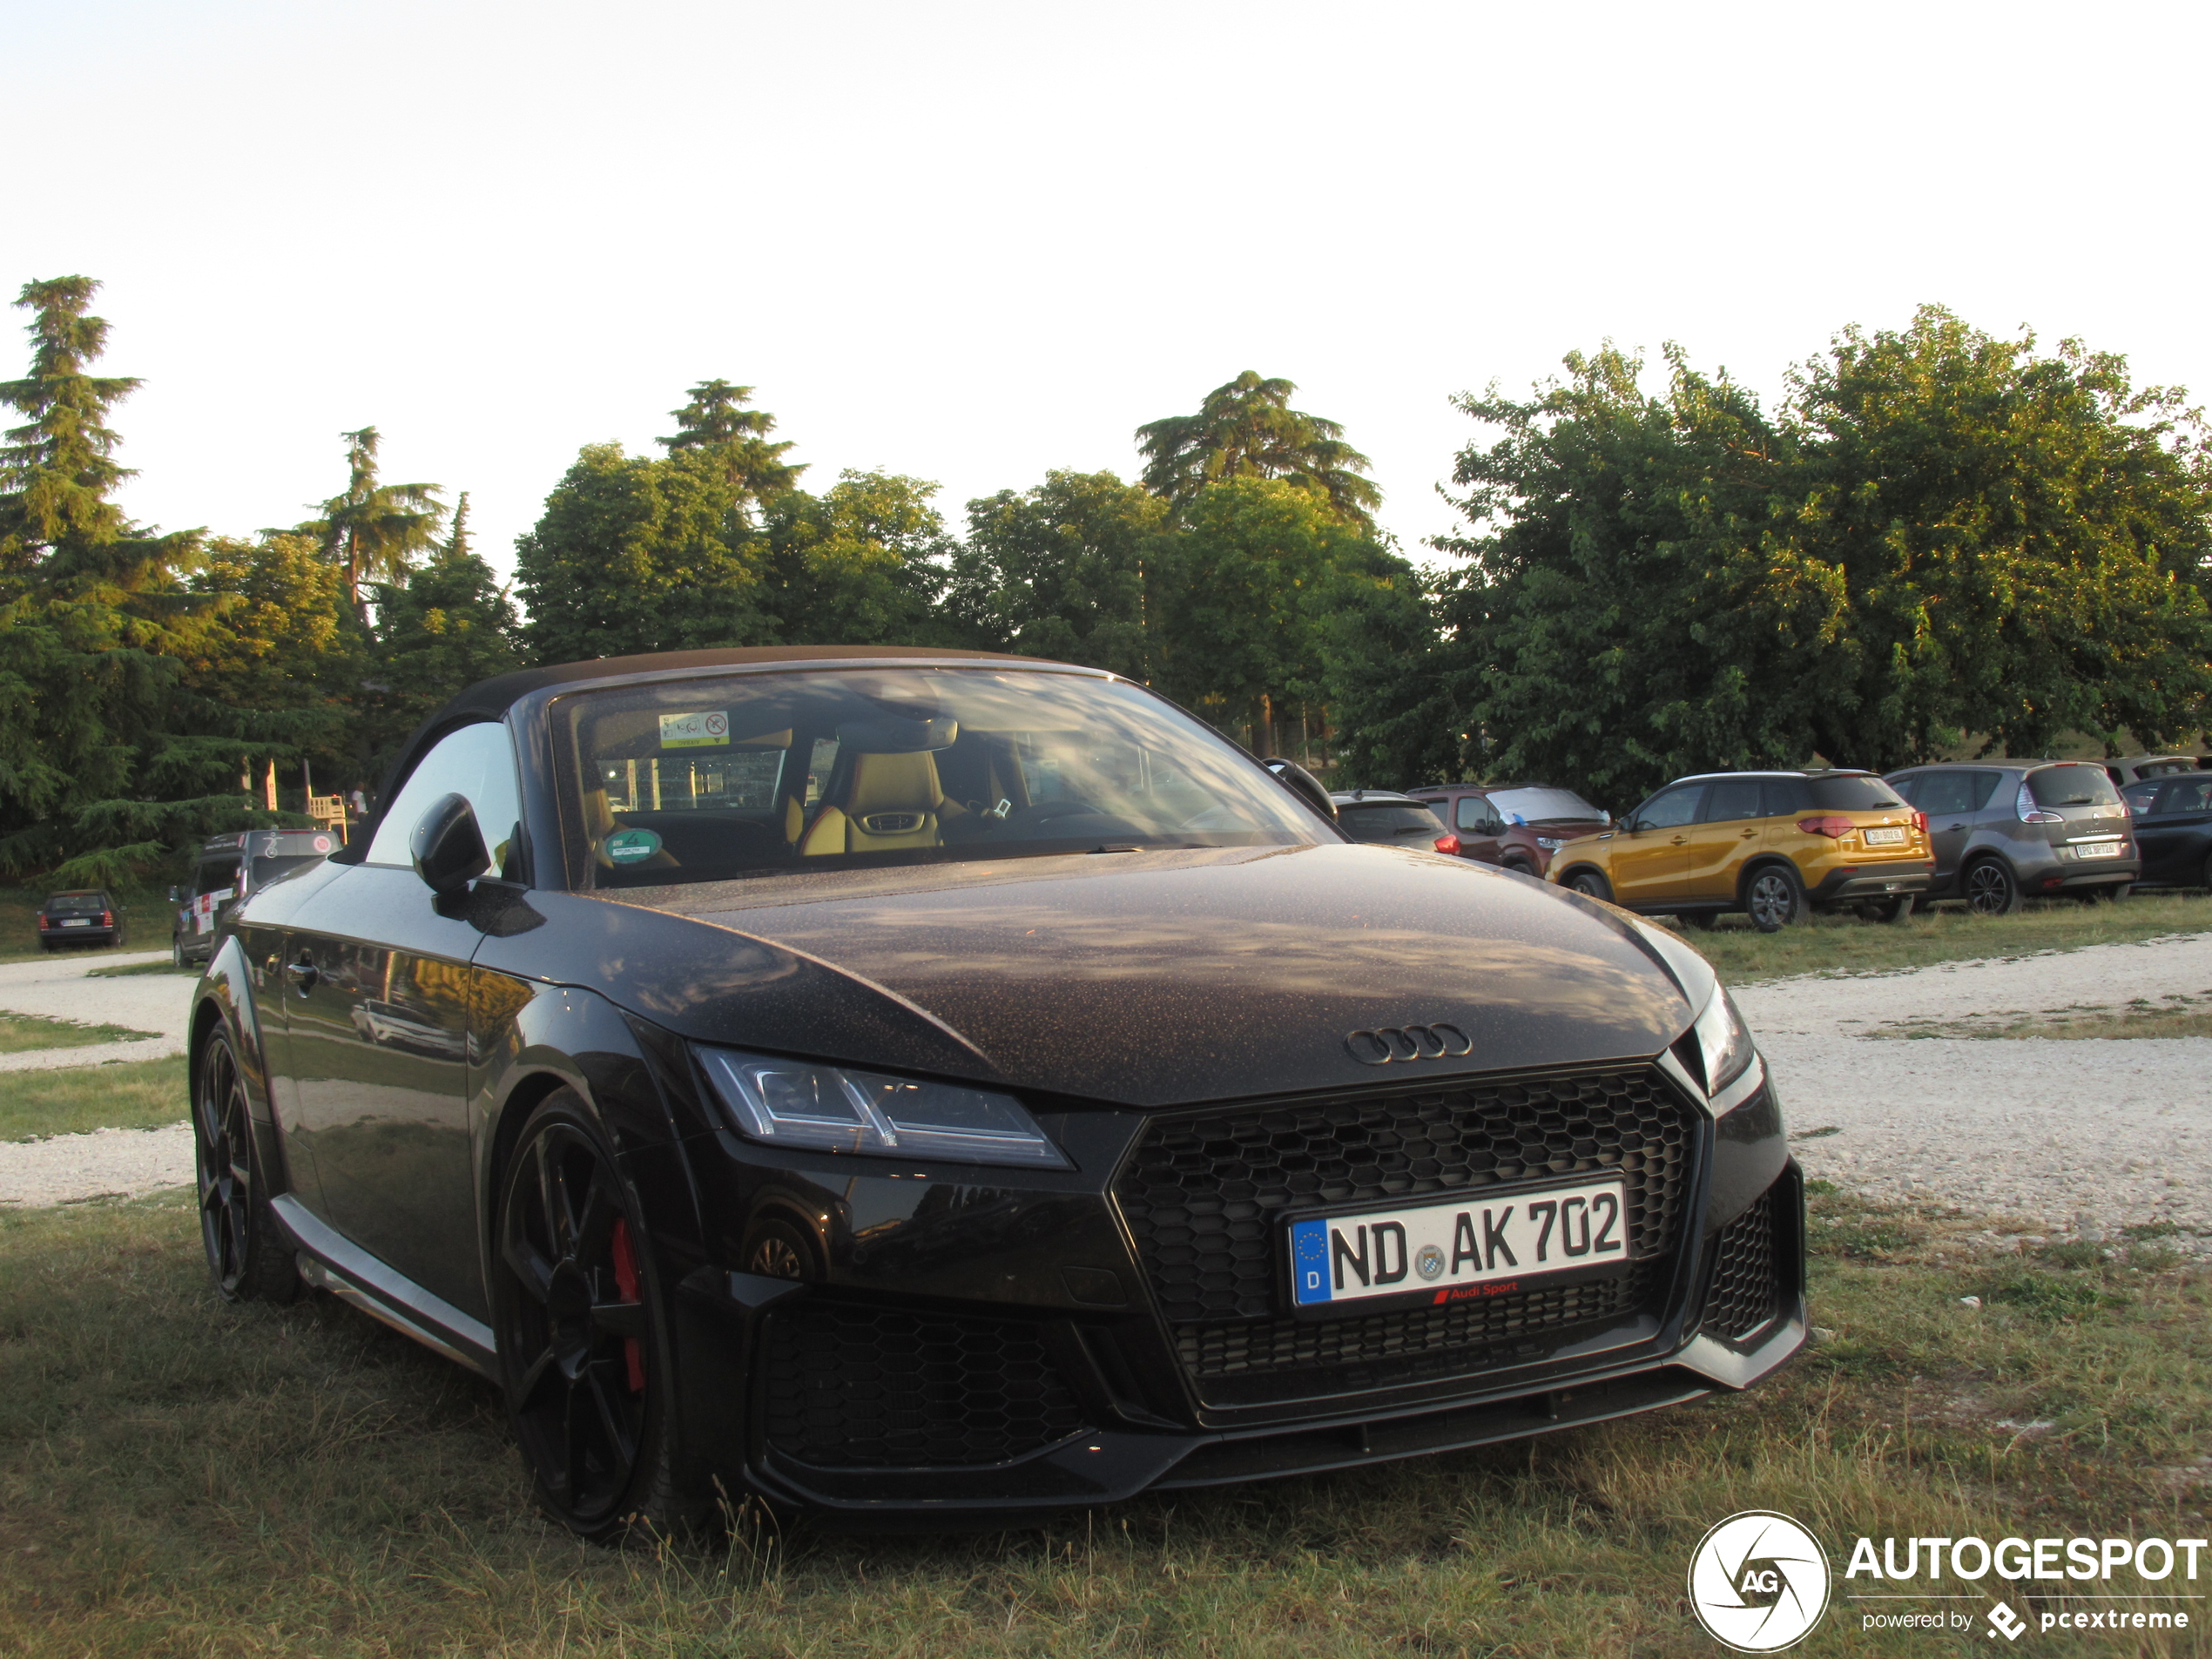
point(2098, 850)
point(1885, 838)
point(1461, 1248)
point(78, 921)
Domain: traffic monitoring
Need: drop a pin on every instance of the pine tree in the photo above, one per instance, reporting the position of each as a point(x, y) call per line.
point(374, 528)
point(450, 624)
point(1248, 429)
point(717, 422)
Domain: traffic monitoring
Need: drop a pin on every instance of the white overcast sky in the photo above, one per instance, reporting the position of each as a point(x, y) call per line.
point(973, 241)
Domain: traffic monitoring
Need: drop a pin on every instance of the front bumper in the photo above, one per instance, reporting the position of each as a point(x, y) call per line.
point(1011, 1347)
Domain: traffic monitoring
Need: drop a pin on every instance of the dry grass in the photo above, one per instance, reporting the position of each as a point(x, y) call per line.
point(133, 1094)
point(178, 1477)
point(1848, 945)
point(20, 1032)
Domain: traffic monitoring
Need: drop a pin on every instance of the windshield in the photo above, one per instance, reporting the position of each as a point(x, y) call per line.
point(2072, 784)
point(1387, 821)
point(267, 870)
point(1848, 794)
point(701, 779)
point(1541, 806)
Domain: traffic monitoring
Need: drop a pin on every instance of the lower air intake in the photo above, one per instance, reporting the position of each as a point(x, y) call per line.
point(852, 1387)
point(1743, 1296)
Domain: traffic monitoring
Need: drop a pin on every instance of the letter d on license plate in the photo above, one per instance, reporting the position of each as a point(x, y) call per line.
point(1462, 1247)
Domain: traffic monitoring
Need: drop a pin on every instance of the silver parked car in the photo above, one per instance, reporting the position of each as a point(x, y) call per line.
point(2003, 831)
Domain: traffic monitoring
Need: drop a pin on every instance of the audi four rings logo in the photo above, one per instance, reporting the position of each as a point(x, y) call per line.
point(1390, 1042)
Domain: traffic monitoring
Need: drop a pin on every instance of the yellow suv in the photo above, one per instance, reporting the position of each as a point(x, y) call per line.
point(1774, 844)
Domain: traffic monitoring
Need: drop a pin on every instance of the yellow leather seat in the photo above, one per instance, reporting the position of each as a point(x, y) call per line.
point(892, 801)
point(600, 822)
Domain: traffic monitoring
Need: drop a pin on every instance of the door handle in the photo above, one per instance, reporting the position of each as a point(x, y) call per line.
point(302, 974)
point(1748, 835)
point(1682, 841)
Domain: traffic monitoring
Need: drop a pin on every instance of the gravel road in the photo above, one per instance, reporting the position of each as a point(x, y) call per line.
point(2073, 1135)
point(2068, 1135)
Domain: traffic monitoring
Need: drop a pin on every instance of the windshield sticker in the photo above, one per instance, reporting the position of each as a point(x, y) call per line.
point(631, 846)
point(705, 731)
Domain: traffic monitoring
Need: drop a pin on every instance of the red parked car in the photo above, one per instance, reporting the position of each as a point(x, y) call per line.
point(1515, 826)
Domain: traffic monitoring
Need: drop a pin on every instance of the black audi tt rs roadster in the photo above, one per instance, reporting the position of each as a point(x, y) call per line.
point(893, 1083)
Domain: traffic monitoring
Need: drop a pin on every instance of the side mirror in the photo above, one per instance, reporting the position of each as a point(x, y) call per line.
point(1302, 783)
point(448, 847)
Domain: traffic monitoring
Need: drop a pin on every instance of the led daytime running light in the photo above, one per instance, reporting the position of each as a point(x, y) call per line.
point(839, 1109)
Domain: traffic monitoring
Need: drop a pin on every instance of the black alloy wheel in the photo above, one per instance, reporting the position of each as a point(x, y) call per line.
point(777, 1249)
point(1591, 884)
point(582, 1349)
point(1776, 899)
point(1991, 890)
point(249, 1260)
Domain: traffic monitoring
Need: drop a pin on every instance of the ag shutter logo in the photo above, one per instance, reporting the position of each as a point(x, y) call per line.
point(2007, 1624)
point(1758, 1582)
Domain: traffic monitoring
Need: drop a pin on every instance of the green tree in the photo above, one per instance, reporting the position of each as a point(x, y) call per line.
point(449, 625)
point(1941, 536)
point(2022, 540)
point(1626, 615)
point(862, 563)
point(717, 423)
point(634, 554)
point(374, 528)
point(1247, 429)
point(102, 754)
point(1240, 598)
point(1059, 570)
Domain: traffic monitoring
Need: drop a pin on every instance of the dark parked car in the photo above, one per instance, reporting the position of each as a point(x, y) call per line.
point(1381, 816)
point(1517, 826)
point(2003, 831)
point(2173, 829)
point(86, 917)
point(224, 870)
point(904, 1083)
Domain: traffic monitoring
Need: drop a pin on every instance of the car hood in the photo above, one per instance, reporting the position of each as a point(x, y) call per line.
point(1148, 979)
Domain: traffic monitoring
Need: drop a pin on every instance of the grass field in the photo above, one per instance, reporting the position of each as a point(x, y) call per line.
point(1848, 945)
point(180, 1478)
point(134, 1094)
point(20, 1032)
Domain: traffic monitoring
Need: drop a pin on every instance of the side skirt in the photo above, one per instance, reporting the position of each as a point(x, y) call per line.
point(330, 1261)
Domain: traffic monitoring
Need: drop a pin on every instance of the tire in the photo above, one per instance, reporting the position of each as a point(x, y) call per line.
point(1591, 884)
point(1990, 889)
point(248, 1253)
point(582, 1327)
point(1889, 910)
point(1776, 899)
point(176, 951)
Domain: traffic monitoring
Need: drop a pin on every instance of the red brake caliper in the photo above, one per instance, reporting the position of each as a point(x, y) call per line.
point(626, 1282)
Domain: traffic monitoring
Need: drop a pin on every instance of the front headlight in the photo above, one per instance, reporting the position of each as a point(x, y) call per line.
point(838, 1108)
point(1550, 843)
point(1723, 1041)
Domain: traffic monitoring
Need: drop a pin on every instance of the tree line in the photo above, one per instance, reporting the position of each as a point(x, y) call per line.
point(1939, 537)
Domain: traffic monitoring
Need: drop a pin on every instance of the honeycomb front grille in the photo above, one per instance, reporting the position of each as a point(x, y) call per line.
point(1743, 1295)
point(851, 1387)
point(1204, 1197)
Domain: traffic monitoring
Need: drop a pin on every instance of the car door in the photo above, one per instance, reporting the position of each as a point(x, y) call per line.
point(2173, 836)
point(1480, 830)
point(1950, 797)
point(376, 1029)
point(1726, 831)
point(1650, 859)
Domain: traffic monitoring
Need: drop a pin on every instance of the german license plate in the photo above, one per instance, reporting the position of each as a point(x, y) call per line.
point(78, 921)
point(2098, 850)
point(1885, 838)
point(1461, 1248)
